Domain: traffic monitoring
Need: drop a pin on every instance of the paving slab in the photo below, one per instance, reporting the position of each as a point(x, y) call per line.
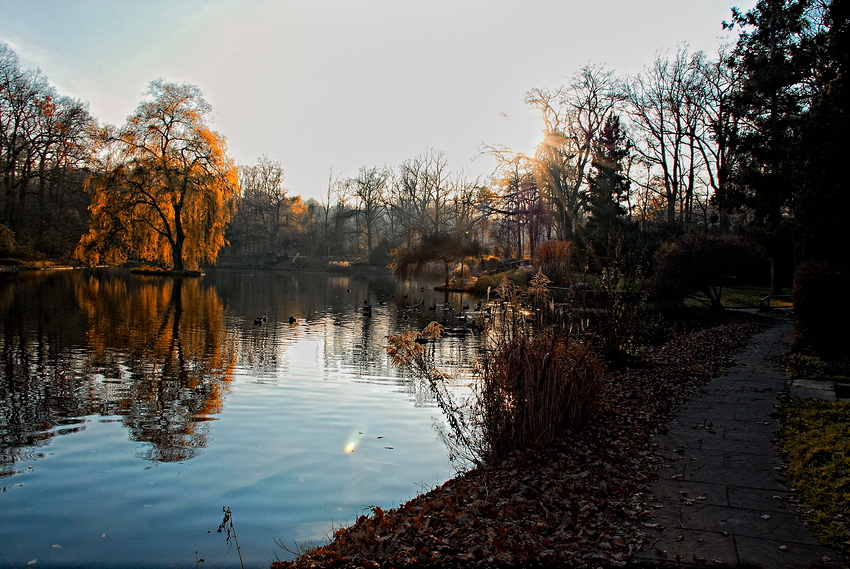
point(771, 553)
point(720, 498)
point(673, 490)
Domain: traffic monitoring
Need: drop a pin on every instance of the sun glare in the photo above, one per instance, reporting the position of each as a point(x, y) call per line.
point(353, 441)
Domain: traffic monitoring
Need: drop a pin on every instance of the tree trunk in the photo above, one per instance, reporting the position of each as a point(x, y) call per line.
point(179, 241)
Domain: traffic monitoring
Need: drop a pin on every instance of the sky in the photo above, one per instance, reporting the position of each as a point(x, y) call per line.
point(328, 86)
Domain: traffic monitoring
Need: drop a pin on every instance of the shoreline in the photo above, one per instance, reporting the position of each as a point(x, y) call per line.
point(582, 502)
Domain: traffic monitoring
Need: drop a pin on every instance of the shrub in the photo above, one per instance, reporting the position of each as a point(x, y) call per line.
point(339, 267)
point(535, 389)
point(532, 386)
point(517, 276)
point(7, 240)
point(696, 266)
point(812, 367)
point(821, 310)
point(381, 255)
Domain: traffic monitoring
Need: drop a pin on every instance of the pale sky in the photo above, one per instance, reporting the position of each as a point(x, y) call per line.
point(339, 84)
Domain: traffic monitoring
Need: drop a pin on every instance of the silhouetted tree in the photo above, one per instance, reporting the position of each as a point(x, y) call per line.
point(820, 179)
point(45, 145)
point(445, 248)
point(608, 185)
point(665, 109)
point(776, 55)
point(370, 187)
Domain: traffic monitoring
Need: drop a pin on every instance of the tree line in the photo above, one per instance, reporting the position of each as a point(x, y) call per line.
point(745, 140)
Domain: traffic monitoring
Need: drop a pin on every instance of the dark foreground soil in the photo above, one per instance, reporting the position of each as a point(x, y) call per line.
point(579, 503)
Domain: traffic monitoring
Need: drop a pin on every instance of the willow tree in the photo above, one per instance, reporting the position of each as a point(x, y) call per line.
point(167, 187)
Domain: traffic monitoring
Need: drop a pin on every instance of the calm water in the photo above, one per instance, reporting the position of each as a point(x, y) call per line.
point(133, 409)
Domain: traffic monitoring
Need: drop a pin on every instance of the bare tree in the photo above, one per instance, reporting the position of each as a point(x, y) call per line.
point(573, 117)
point(436, 178)
point(666, 107)
point(410, 199)
point(333, 185)
point(718, 126)
point(370, 187)
point(263, 202)
point(45, 144)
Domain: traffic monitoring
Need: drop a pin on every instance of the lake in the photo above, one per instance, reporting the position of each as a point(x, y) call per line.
point(134, 409)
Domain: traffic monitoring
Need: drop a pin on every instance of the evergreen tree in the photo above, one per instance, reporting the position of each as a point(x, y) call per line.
point(819, 173)
point(608, 186)
point(776, 52)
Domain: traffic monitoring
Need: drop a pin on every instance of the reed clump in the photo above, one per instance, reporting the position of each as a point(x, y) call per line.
point(534, 389)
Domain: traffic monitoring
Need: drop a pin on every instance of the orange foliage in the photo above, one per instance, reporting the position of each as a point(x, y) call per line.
point(170, 337)
point(167, 187)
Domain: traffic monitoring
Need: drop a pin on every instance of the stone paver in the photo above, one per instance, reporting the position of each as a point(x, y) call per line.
point(721, 498)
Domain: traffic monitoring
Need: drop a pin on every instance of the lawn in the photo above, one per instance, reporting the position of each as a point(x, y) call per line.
point(743, 296)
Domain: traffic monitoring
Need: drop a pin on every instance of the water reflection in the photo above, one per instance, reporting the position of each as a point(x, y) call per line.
point(253, 416)
point(154, 352)
point(330, 307)
point(160, 353)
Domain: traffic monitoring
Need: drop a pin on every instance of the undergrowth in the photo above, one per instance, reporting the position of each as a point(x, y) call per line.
point(806, 366)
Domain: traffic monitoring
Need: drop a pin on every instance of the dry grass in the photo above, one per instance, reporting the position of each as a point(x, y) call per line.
point(534, 389)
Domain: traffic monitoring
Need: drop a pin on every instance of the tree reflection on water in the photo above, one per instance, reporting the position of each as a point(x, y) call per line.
point(160, 354)
point(154, 352)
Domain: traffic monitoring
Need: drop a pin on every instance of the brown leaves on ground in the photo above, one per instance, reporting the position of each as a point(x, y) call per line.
point(577, 503)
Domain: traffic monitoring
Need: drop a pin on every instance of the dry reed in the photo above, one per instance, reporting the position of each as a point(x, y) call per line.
point(535, 389)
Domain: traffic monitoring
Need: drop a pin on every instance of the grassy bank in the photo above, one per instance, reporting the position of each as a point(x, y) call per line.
point(816, 447)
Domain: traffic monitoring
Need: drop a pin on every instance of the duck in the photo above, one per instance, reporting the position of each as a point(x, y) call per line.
point(292, 320)
point(259, 320)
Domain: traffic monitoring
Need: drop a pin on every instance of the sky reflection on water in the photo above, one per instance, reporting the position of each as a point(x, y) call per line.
point(133, 409)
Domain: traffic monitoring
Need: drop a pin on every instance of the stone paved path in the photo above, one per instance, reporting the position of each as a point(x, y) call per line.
point(721, 496)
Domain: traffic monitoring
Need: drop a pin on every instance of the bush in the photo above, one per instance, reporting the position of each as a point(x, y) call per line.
point(532, 386)
point(696, 266)
point(822, 313)
point(517, 276)
point(381, 255)
point(7, 240)
point(812, 367)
